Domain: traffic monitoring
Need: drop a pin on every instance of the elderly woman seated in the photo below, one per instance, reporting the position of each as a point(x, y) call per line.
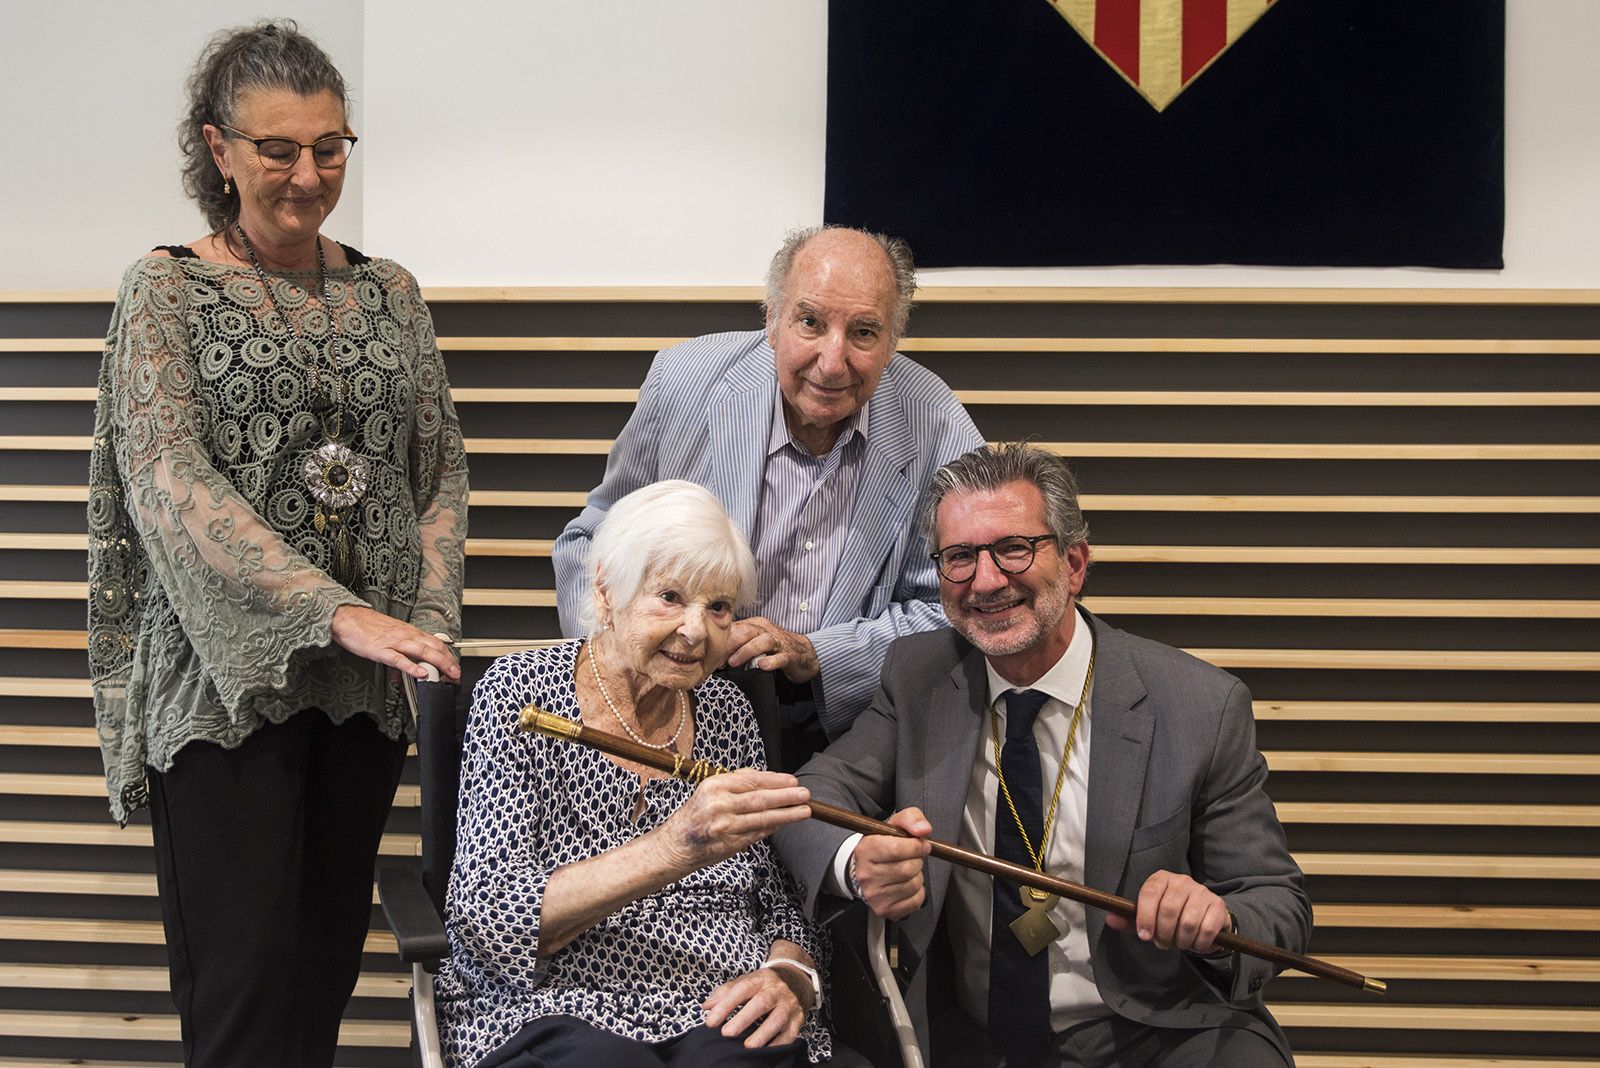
point(599, 912)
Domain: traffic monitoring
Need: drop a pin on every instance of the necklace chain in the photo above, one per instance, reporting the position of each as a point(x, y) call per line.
point(334, 398)
point(683, 709)
point(1037, 856)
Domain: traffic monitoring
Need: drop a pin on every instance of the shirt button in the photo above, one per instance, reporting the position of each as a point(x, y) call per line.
point(808, 545)
point(803, 606)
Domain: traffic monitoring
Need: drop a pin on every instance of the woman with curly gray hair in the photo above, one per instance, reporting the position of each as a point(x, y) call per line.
point(277, 514)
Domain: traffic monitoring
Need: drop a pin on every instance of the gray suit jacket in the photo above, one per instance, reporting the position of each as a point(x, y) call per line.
point(703, 415)
point(1175, 782)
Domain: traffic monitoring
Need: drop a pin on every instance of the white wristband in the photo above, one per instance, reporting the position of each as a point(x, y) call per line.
point(805, 969)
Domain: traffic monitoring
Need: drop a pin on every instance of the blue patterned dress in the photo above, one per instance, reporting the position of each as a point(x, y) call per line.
point(531, 804)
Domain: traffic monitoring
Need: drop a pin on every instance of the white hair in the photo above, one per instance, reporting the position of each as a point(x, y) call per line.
point(675, 529)
point(895, 251)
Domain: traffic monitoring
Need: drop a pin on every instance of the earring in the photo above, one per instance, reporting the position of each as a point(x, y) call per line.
point(226, 186)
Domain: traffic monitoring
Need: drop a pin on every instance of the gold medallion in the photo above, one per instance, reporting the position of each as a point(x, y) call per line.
point(1034, 928)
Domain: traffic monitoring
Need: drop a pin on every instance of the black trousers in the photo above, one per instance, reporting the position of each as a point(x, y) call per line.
point(264, 861)
point(569, 1042)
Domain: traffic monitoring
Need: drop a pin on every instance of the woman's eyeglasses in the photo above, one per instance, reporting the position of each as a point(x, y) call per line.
point(281, 153)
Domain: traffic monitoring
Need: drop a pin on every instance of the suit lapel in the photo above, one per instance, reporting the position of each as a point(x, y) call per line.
point(739, 424)
point(1118, 758)
point(884, 499)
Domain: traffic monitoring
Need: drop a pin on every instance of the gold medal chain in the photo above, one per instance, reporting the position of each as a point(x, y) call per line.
point(1037, 856)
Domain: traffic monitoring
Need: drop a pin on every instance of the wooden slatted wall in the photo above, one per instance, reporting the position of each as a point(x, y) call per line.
point(1381, 510)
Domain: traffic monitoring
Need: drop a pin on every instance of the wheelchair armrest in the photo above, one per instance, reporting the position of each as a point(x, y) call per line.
point(412, 917)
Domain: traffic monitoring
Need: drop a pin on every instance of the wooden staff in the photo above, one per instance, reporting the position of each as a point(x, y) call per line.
point(538, 721)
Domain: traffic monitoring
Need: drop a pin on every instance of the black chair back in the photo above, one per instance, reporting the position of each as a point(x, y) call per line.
point(760, 690)
point(441, 722)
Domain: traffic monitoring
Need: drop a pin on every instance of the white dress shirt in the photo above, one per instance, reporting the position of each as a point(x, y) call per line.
point(1073, 995)
point(803, 520)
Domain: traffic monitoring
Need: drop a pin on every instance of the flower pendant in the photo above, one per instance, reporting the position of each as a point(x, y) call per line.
point(336, 476)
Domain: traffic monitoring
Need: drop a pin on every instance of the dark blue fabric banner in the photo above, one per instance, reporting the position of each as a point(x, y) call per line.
point(1065, 132)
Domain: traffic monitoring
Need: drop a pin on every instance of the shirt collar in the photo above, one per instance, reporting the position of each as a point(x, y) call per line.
point(779, 436)
point(1064, 680)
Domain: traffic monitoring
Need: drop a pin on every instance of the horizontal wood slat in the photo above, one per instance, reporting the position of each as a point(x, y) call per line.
point(1362, 607)
point(1398, 659)
point(17, 638)
point(47, 784)
point(1286, 346)
point(136, 977)
point(1439, 555)
point(1205, 450)
point(1282, 398)
point(1126, 502)
point(1403, 1060)
point(944, 294)
point(1120, 398)
point(1437, 1017)
point(52, 832)
point(1432, 711)
point(157, 1028)
point(127, 932)
point(70, 737)
point(1464, 815)
point(35, 686)
point(1449, 865)
point(1475, 969)
point(1437, 763)
point(1367, 607)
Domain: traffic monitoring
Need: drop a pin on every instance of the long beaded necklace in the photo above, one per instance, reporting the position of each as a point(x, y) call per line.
point(683, 709)
point(336, 476)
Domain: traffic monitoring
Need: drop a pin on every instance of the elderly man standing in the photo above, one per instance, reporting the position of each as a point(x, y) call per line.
point(1036, 732)
point(819, 440)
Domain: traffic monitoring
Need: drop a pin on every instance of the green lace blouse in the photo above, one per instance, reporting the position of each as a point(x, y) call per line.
point(210, 601)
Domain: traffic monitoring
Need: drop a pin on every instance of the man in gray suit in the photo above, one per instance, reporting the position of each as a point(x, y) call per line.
point(819, 440)
point(1038, 733)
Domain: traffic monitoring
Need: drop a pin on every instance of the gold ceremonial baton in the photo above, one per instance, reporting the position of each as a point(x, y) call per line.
point(538, 721)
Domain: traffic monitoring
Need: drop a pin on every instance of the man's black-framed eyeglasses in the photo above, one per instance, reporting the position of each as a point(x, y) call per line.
point(1012, 554)
point(282, 153)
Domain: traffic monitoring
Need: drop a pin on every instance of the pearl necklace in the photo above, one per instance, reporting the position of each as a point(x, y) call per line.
point(683, 709)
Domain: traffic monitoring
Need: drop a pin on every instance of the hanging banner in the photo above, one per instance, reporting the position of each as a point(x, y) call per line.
point(1071, 132)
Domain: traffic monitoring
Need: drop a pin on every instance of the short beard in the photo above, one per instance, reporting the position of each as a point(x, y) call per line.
point(1049, 608)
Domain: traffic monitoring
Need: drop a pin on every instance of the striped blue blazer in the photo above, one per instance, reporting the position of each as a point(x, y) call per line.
point(703, 415)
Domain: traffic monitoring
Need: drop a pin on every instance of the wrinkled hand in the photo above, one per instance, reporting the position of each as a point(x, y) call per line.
point(771, 995)
point(728, 813)
point(1176, 912)
point(889, 870)
point(385, 640)
point(763, 644)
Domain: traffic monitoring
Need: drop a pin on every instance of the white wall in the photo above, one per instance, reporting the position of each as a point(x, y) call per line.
point(90, 96)
point(576, 142)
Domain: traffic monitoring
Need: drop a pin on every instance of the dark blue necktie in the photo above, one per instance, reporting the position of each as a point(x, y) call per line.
point(1019, 984)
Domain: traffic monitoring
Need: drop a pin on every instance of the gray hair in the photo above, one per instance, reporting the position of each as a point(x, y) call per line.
point(900, 264)
point(989, 467)
point(674, 528)
point(272, 54)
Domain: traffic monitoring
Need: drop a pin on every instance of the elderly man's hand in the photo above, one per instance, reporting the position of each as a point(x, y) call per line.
point(1176, 912)
point(763, 644)
point(889, 870)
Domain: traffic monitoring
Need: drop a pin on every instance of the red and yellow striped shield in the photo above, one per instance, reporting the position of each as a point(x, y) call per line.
point(1161, 46)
